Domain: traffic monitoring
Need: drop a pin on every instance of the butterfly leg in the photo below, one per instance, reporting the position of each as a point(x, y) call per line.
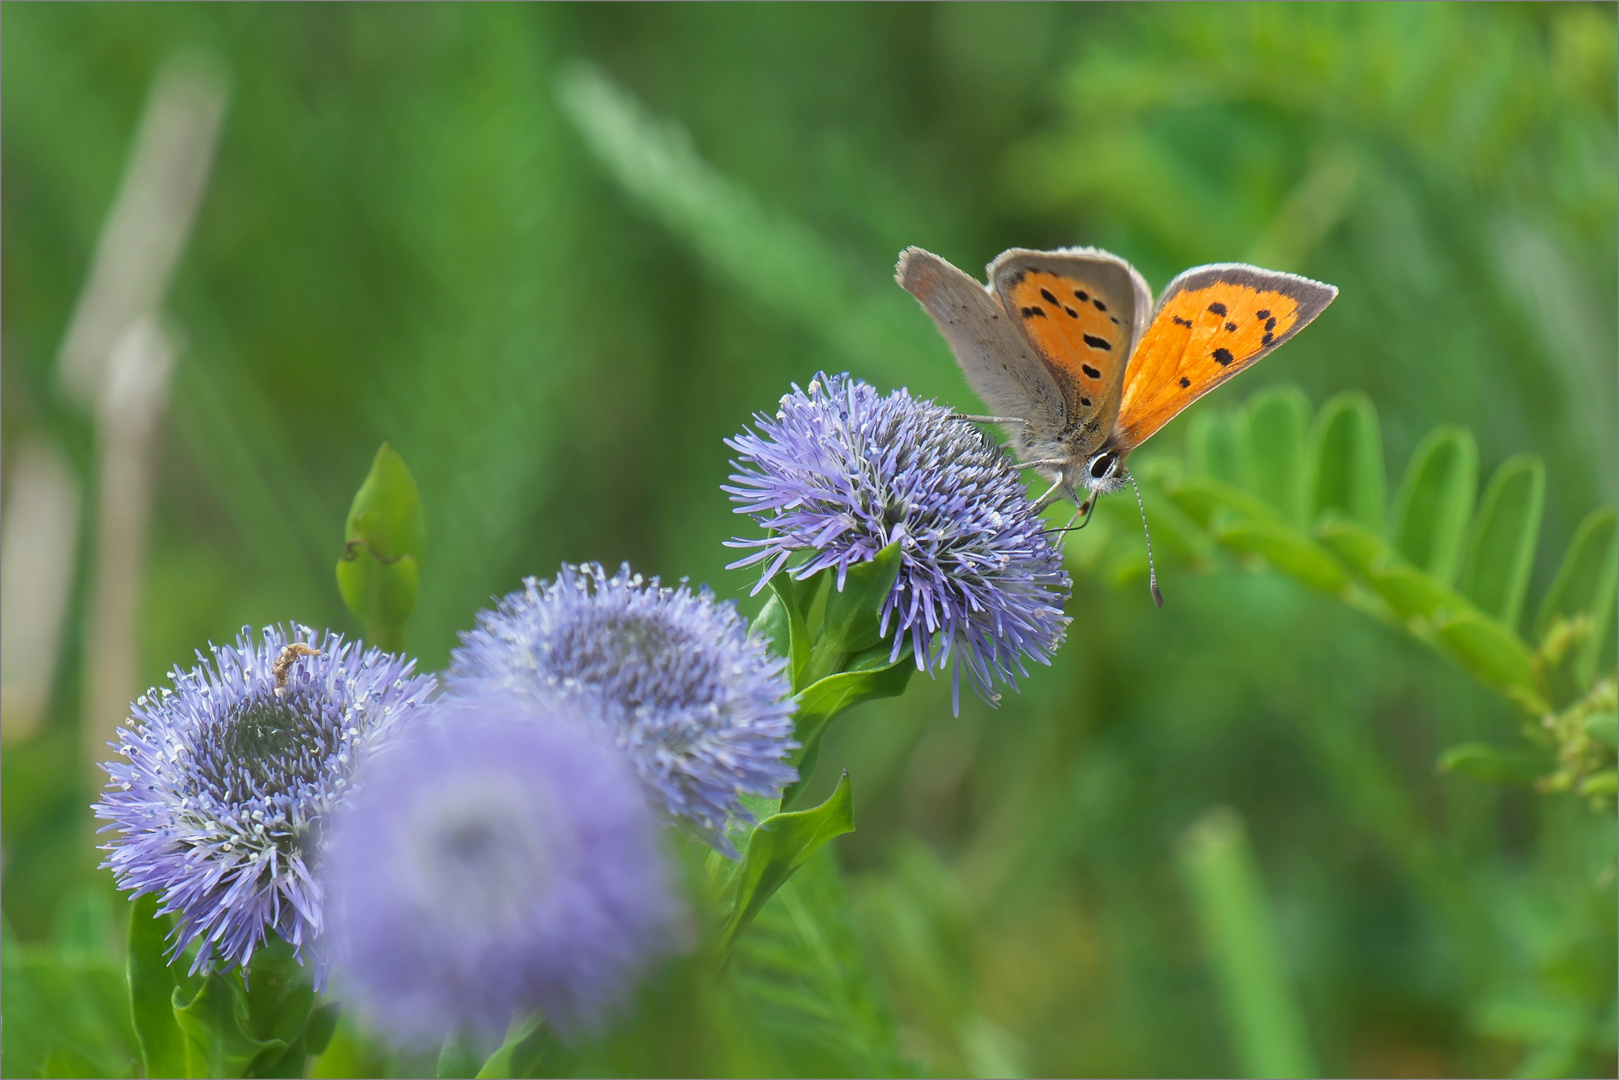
point(1053, 493)
point(989, 419)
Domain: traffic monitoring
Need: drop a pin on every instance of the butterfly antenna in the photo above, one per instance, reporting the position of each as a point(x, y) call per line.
point(1152, 573)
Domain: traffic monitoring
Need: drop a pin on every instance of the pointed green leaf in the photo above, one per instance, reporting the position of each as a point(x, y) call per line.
point(1604, 727)
point(853, 610)
point(151, 991)
point(1359, 547)
point(1481, 761)
point(1604, 783)
point(1411, 593)
point(1492, 654)
point(321, 1026)
point(1198, 497)
point(872, 674)
point(1435, 502)
point(527, 1046)
point(279, 1001)
point(1501, 545)
point(778, 847)
point(1240, 937)
point(1346, 462)
point(788, 624)
point(382, 550)
point(1278, 429)
point(458, 1056)
point(1217, 446)
point(1284, 548)
point(218, 1029)
point(1585, 585)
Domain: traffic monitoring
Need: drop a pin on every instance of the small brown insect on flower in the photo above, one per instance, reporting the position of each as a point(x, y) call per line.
point(284, 662)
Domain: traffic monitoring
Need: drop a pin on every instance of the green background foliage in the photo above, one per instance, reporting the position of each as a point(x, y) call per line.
point(554, 255)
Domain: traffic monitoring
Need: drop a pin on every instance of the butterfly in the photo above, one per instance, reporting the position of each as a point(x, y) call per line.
point(1069, 350)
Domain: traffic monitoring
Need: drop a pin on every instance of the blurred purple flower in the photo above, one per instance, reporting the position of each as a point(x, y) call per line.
point(499, 859)
point(842, 471)
point(226, 781)
point(704, 711)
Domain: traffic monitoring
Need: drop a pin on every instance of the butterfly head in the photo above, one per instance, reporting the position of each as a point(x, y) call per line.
point(1104, 471)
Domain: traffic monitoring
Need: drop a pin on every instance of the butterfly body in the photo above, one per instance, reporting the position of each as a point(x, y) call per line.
point(1070, 345)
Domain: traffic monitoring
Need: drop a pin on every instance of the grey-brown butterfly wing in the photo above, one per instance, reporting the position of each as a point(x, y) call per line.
point(998, 360)
point(1083, 310)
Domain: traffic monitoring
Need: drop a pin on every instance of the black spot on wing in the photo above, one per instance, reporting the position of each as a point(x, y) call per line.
point(1033, 313)
point(1223, 357)
point(1265, 314)
point(1072, 314)
point(1097, 343)
point(1185, 381)
point(1178, 321)
point(1114, 319)
point(1217, 307)
point(1267, 339)
point(1270, 324)
point(1230, 326)
point(1099, 305)
point(1081, 294)
point(1085, 401)
point(1050, 299)
point(1090, 372)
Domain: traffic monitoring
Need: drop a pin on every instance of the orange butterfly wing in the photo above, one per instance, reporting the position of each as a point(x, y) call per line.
point(1083, 310)
point(1212, 322)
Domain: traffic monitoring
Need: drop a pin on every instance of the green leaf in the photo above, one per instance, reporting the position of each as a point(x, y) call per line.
point(382, 550)
point(1435, 502)
point(1278, 426)
point(321, 1026)
point(151, 991)
point(217, 1028)
point(1284, 548)
point(801, 995)
point(1217, 446)
point(778, 846)
point(1411, 593)
point(870, 675)
point(458, 1056)
point(853, 612)
point(1492, 654)
point(279, 1001)
point(1346, 462)
point(1585, 585)
point(1501, 546)
point(1481, 761)
point(793, 600)
point(1239, 933)
point(1359, 547)
point(1604, 727)
point(1601, 783)
point(526, 1047)
point(1199, 497)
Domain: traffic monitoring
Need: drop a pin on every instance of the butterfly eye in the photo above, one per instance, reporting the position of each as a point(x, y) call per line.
point(1102, 466)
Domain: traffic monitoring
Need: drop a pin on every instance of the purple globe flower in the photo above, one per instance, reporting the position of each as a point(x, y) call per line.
point(842, 471)
point(499, 859)
point(226, 781)
point(703, 710)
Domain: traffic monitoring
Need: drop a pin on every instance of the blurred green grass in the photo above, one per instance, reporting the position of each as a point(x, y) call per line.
point(415, 232)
